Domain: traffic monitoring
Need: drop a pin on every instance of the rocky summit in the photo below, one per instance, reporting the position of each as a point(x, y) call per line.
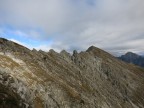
point(89, 79)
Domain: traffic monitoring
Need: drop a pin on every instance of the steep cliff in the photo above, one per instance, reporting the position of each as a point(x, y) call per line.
point(89, 79)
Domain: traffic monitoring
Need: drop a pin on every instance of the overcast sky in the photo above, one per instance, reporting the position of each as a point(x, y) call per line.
point(116, 26)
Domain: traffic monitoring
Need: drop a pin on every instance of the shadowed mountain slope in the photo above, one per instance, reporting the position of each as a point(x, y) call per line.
point(89, 79)
point(133, 58)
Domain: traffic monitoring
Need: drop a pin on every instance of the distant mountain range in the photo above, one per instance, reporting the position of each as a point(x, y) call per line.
point(133, 58)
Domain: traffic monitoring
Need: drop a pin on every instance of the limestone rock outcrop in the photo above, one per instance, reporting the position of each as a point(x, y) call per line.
point(89, 79)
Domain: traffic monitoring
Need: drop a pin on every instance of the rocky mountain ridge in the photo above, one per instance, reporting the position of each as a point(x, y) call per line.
point(133, 58)
point(89, 79)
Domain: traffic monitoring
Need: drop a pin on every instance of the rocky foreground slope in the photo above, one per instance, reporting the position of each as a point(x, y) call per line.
point(89, 79)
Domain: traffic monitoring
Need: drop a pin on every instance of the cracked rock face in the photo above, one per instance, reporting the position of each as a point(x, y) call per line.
point(89, 79)
point(13, 93)
point(8, 99)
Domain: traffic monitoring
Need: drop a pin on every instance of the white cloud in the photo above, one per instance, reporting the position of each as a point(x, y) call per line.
point(29, 33)
point(114, 25)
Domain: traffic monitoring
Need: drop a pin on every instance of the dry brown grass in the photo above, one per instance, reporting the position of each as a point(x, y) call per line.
point(38, 103)
point(8, 62)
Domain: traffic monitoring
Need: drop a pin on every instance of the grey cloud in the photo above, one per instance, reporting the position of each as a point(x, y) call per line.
point(114, 25)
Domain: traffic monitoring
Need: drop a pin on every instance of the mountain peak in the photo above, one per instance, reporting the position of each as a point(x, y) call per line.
point(91, 48)
point(131, 53)
point(133, 58)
